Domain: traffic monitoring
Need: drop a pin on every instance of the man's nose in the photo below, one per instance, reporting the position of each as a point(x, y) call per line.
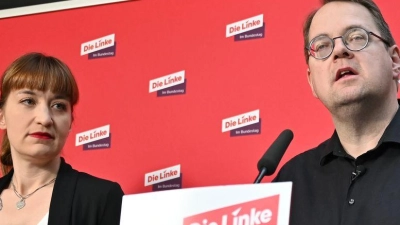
point(340, 50)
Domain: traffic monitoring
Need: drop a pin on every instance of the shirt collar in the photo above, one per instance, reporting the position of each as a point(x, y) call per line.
point(334, 148)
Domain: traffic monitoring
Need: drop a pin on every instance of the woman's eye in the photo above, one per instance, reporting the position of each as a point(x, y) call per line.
point(28, 101)
point(60, 106)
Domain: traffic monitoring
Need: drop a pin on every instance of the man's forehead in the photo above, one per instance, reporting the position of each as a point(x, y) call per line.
point(335, 18)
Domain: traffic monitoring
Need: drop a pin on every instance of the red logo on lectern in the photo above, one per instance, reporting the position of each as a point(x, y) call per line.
point(257, 212)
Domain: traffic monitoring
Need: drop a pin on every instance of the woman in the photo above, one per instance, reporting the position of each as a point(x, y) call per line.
point(38, 94)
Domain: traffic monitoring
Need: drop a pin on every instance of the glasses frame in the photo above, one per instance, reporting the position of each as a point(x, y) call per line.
point(309, 49)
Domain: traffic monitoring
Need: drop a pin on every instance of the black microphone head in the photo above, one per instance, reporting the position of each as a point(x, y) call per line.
point(273, 155)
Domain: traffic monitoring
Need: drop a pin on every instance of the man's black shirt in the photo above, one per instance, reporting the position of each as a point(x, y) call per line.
point(330, 187)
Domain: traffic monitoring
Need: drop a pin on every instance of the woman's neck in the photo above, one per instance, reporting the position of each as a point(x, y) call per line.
point(29, 176)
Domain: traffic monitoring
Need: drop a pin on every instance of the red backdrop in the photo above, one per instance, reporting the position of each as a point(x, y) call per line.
point(224, 77)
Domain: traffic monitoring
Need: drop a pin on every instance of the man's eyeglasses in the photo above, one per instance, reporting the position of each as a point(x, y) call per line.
point(355, 39)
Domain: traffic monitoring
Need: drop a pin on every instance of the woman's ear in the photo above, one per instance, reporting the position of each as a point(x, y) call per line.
point(2, 120)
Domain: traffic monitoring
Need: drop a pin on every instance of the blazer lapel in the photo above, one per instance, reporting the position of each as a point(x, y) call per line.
point(63, 195)
point(5, 180)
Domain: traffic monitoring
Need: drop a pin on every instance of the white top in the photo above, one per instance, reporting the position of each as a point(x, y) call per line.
point(45, 219)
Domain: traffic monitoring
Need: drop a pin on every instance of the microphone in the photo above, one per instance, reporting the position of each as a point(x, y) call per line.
point(360, 170)
point(271, 158)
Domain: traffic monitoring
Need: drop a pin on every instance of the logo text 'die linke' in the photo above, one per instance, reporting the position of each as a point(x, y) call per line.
point(241, 120)
point(261, 211)
point(162, 175)
point(98, 44)
point(244, 25)
point(92, 135)
point(167, 81)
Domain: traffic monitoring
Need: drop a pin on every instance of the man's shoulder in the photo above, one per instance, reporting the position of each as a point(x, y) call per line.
point(305, 162)
point(312, 155)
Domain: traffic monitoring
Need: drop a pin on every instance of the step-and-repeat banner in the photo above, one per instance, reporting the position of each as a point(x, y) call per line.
point(177, 93)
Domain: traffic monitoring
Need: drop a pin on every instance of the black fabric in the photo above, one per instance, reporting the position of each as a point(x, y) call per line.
point(79, 198)
point(332, 188)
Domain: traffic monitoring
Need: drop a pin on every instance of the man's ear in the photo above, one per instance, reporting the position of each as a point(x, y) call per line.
point(395, 55)
point(310, 82)
point(2, 120)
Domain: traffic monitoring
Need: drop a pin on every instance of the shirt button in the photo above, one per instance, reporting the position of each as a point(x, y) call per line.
point(351, 201)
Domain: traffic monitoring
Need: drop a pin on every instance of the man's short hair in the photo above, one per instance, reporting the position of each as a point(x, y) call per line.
point(369, 5)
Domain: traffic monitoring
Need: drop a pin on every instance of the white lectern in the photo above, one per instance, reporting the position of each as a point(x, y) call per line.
point(248, 204)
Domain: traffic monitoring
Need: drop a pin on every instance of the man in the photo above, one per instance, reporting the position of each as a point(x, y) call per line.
point(353, 178)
